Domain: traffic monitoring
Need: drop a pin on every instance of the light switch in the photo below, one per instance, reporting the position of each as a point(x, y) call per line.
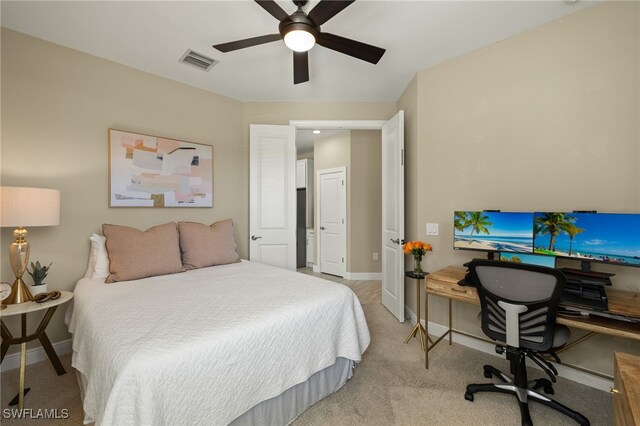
point(432, 229)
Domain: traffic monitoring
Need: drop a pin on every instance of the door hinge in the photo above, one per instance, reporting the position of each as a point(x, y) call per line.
point(343, 260)
point(343, 183)
point(343, 221)
point(402, 157)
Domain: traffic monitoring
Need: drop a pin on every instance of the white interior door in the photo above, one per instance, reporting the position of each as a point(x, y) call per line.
point(332, 230)
point(272, 203)
point(393, 215)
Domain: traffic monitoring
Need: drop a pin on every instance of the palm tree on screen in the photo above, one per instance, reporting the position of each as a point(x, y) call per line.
point(552, 224)
point(479, 223)
point(572, 230)
point(461, 221)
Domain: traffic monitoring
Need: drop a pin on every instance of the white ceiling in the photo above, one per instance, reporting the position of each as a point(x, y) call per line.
point(153, 35)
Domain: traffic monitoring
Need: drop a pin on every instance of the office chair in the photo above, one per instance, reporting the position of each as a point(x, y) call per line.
point(519, 304)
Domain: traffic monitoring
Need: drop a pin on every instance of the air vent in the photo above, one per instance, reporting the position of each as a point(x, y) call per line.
point(197, 60)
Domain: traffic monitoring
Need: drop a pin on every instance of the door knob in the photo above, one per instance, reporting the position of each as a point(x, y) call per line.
point(322, 228)
point(396, 241)
point(253, 237)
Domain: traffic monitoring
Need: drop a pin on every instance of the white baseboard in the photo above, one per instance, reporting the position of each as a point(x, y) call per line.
point(316, 268)
point(363, 276)
point(577, 376)
point(34, 355)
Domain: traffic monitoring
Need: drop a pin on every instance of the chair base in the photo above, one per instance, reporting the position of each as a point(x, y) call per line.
point(524, 395)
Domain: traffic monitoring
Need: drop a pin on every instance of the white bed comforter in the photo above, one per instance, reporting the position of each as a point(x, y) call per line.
point(204, 346)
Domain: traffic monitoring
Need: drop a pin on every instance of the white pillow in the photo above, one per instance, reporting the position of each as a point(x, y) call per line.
point(98, 265)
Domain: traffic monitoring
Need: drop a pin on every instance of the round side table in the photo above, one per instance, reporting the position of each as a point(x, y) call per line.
point(419, 328)
point(23, 309)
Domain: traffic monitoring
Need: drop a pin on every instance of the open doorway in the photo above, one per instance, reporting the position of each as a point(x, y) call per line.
point(272, 201)
point(342, 237)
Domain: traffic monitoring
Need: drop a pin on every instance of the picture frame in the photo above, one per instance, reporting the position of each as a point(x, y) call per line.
point(154, 171)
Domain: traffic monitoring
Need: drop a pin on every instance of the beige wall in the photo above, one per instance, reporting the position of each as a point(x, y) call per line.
point(306, 155)
point(57, 105)
point(547, 120)
point(365, 202)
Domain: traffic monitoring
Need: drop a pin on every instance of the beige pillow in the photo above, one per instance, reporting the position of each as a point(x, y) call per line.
point(203, 245)
point(136, 254)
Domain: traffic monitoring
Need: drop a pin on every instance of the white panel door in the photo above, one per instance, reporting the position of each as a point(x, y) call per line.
point(393, 215)
point(272, 203)
point(332, 229)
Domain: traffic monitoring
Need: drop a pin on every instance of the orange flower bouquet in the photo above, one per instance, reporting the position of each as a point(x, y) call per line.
point(417, 249)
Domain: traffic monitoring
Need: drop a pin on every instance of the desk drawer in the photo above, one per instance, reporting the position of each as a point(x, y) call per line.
point(453, 291)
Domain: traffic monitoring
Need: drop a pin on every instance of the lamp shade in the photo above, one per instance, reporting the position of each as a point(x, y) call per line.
point(22, 207)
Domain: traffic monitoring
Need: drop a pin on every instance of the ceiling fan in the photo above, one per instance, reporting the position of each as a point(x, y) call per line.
point(301, 31)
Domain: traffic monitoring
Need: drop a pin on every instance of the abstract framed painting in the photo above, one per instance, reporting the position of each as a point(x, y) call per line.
point(151, 171)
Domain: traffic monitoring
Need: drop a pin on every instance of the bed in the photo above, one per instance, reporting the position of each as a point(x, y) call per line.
point(243, 343)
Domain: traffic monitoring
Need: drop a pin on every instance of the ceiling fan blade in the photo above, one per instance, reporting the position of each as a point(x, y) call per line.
point(273, 8)
point(327, 9)
point(350, 47)
point(247, 42)
point(300, 67)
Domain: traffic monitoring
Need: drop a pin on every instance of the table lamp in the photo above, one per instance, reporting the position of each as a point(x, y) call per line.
point(20, 207)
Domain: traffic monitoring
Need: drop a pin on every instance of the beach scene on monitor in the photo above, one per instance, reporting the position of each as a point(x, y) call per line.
point(602, 237)
point(493, 231)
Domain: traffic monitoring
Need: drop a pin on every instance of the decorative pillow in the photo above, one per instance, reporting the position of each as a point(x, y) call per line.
point(98, 266)
point(203, 245)
point(135, 254)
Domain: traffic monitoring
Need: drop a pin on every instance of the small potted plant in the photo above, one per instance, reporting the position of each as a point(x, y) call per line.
point(38, 273)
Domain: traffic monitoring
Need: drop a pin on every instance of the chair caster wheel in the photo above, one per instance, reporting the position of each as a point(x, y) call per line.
point(468, 396)
point(487, 374)
point(548, 390)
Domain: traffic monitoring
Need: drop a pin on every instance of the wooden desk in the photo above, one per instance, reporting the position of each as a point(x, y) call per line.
point(626, 389)
point(444, 283)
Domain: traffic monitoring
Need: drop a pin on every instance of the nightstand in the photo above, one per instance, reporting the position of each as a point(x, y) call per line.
point(23, 309)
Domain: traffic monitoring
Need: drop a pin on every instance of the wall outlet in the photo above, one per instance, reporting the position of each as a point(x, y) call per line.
point(375, 256)
point(432, 229)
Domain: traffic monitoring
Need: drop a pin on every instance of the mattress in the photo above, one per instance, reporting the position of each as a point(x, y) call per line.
point(207, 345)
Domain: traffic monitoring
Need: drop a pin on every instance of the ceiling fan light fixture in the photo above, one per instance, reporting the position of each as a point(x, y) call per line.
point(299, 40)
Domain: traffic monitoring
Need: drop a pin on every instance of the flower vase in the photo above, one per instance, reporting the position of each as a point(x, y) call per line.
point(418, 267)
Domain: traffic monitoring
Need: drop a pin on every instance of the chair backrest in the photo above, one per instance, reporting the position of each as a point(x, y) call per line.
point(519, 302)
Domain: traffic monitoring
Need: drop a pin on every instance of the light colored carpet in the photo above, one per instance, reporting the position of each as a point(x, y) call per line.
point(390, 386)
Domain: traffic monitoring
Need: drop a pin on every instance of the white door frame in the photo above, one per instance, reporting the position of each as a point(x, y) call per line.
point(335, 124)
point(354, 125)
point(342, 170)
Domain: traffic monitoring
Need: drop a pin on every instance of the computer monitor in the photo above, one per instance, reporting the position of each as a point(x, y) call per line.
point(493, 231)
point(531, 259)
point(612, 238)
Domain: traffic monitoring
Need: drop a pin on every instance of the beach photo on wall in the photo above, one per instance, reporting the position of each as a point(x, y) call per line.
point(493, 231)
point(600, 237)
point(151, 171)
